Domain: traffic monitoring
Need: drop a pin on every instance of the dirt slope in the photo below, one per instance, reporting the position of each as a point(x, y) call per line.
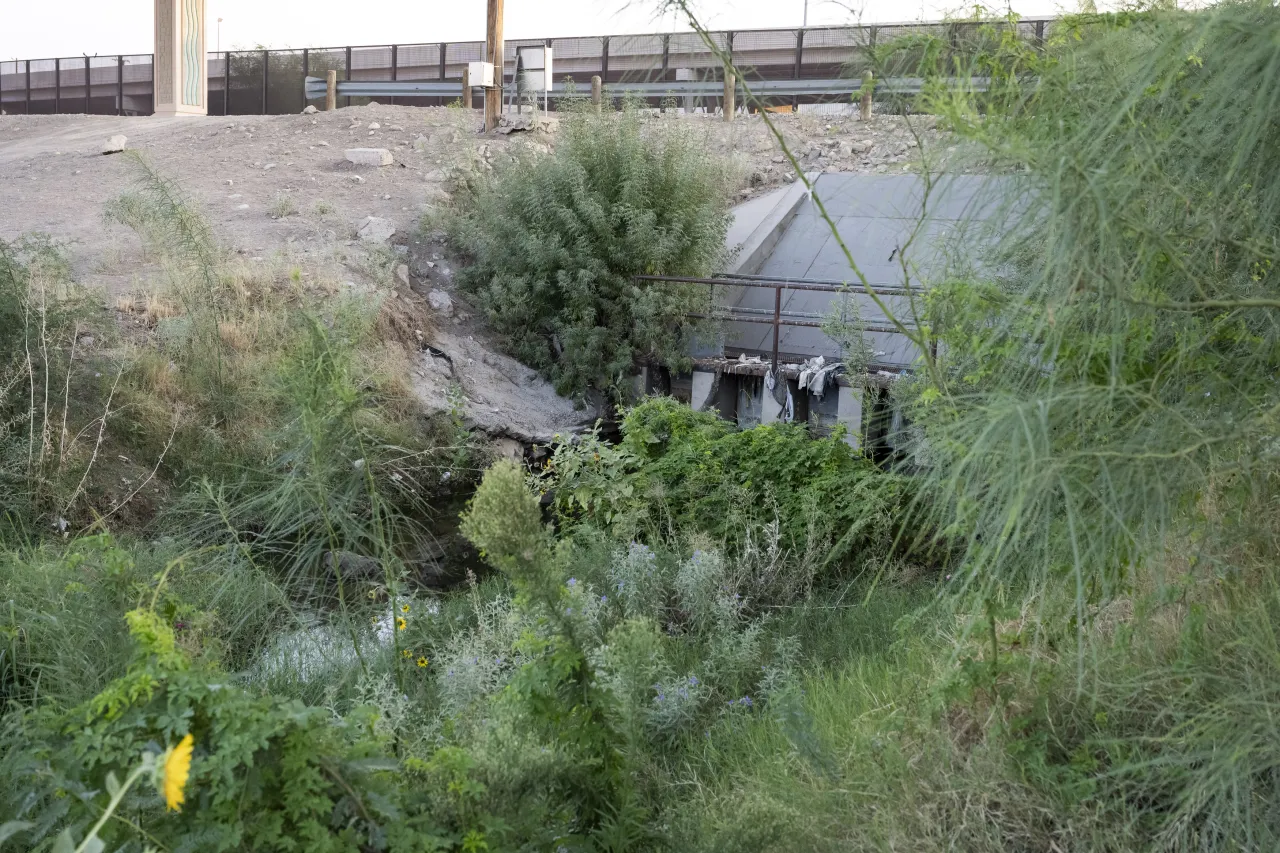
point(278, 190)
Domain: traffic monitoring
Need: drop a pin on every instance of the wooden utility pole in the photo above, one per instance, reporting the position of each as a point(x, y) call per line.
point(466, 87)
point(728, 95)
point(597, 90)
point(493, 52)
point(331, 90)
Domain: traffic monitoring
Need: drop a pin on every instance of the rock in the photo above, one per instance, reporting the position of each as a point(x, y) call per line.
point(309, 110)
point(778, 158)
point(421, 143)
point(517, 124)
point(352, 566)
point(369, 156)
point(85, 341)
point(373, 125)
point(242, 207)
point(867, 145)
point(440, 302)
point(402, 273)
point(323, 144)
point(356, 179)
point(268, 167)
point(115, 144)
point(375, 229)
point(508, 448)
point(395, 127)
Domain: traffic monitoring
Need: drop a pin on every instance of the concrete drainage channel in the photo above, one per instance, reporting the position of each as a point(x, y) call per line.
point(790, 276)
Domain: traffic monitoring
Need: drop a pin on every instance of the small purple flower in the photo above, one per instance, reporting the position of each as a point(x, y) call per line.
point(746, 700)
point(604, 599)
point(619, 586)
point(568, 611)
point(693, 680)
point(573, 581)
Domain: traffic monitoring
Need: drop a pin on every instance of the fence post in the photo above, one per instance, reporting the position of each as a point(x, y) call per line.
point(596, 91)
point(266, 63)
point(444, 71)
point(87, 109)
point(1040, 34)
point(466, 87)
point(348, 72)
point(864, 108)
point(28, 87)
point(226, 86)
point(395, 61)
point(57, 85)
point(119, 85)
point(795, 99)
point(331, 90)
point(604, 58)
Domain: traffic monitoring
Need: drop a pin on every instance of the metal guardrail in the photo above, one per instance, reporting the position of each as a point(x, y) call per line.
point(253, 82)
point(315, 87)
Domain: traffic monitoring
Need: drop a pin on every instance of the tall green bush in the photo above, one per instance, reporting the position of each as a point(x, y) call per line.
point(555, 240)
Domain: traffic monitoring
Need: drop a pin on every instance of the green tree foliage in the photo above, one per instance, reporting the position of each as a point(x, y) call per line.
point(555, 240)
point(1113, 375)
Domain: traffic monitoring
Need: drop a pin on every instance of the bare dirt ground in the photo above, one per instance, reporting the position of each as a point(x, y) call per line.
point(278, 190)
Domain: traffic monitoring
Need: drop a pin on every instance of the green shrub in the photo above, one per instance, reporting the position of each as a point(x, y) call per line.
point(680, 470)
point(268, 774)
point(555, 240)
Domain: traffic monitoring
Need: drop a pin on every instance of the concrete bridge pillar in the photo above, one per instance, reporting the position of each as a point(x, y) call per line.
point(849, 413)
point(181, 70)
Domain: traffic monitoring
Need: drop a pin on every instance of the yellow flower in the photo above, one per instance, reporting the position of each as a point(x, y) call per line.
point(177, 767)
point(422, 661)
point(400, 623)
point(406, 653)
point(404, 608)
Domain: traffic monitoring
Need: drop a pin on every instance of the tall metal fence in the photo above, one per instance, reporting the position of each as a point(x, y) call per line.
point(271, 81)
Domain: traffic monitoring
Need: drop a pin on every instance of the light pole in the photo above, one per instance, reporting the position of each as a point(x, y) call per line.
point(219, 50)
point(804, 23)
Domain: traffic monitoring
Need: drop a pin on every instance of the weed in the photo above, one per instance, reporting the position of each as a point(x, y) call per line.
point(283, 206)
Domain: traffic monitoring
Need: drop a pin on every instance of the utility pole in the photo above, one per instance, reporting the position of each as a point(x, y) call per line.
point(493, 50)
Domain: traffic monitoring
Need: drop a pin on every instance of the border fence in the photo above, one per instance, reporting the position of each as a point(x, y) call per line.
point(261, 82)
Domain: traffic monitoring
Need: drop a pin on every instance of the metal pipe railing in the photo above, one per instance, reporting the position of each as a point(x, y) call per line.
point(777, 318)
